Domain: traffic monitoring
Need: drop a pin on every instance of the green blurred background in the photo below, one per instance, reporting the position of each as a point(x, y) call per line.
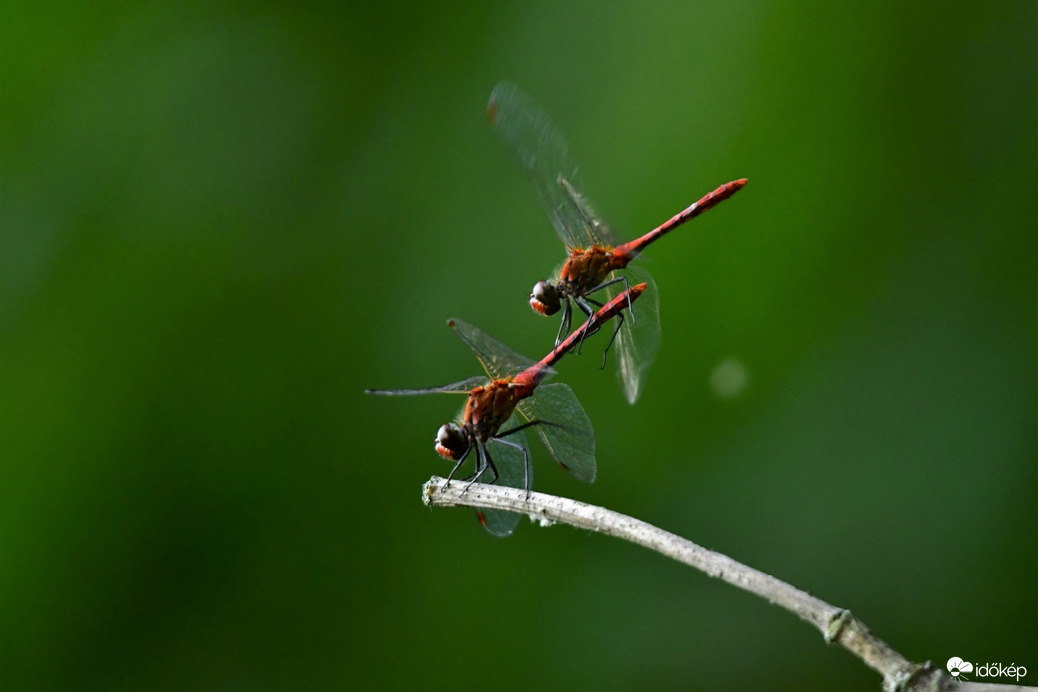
point(222, 221)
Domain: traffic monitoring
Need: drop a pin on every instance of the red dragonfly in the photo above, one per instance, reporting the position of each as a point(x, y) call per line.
point(515, 385)
point(593, 255)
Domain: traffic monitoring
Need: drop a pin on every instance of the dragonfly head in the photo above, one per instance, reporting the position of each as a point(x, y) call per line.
point(544, 298)
point(451, 443)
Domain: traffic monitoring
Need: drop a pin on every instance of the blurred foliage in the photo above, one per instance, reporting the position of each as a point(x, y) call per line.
point(220, 222)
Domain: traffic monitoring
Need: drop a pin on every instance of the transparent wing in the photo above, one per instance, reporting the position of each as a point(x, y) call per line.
point(564, 428)
point(463, 387)
point(497, 359)
point(507, 455)
point(591, 226)
point(638, 342)
point(544, 155)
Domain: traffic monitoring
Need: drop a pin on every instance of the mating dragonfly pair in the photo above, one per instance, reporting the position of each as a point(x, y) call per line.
point(594, 266)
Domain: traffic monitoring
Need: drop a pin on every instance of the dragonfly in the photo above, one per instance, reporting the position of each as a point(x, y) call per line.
point(515, 386)
point(594, 257)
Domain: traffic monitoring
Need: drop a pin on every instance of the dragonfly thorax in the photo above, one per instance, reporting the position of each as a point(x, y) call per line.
point(489, 407)
point(586, 269)
point(583, 271)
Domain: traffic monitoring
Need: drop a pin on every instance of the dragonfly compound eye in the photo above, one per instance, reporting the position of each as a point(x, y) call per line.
point(544, 298)
point(450, 443)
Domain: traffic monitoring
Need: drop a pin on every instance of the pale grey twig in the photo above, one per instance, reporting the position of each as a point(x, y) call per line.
point(836, 624)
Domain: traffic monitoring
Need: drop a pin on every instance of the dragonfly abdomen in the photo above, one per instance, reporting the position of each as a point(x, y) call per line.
point(707, 201)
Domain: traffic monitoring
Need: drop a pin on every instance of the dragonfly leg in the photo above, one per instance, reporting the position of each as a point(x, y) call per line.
point(528, 424)
point(485, 462)
point(564, 324)
point(616, 332)
point(524, 426)
point(488, 464)
point(627, 287)
point(585, 304)
point(526, 453)
point(458, 465)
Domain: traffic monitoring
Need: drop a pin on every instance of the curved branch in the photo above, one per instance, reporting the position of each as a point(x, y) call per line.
point(836, 624)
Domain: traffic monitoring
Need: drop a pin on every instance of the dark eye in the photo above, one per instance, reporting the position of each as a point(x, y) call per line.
point(450, 443)
point(544, 298)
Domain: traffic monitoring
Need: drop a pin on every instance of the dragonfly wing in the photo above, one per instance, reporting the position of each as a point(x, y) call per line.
point(593, 229)
point(507, 455)
point(497, 359)
point(638, 341)
point(463, 387)
point(564, 428)
point(544, 155)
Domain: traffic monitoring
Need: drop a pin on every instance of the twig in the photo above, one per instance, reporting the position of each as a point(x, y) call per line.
point(835, 624)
